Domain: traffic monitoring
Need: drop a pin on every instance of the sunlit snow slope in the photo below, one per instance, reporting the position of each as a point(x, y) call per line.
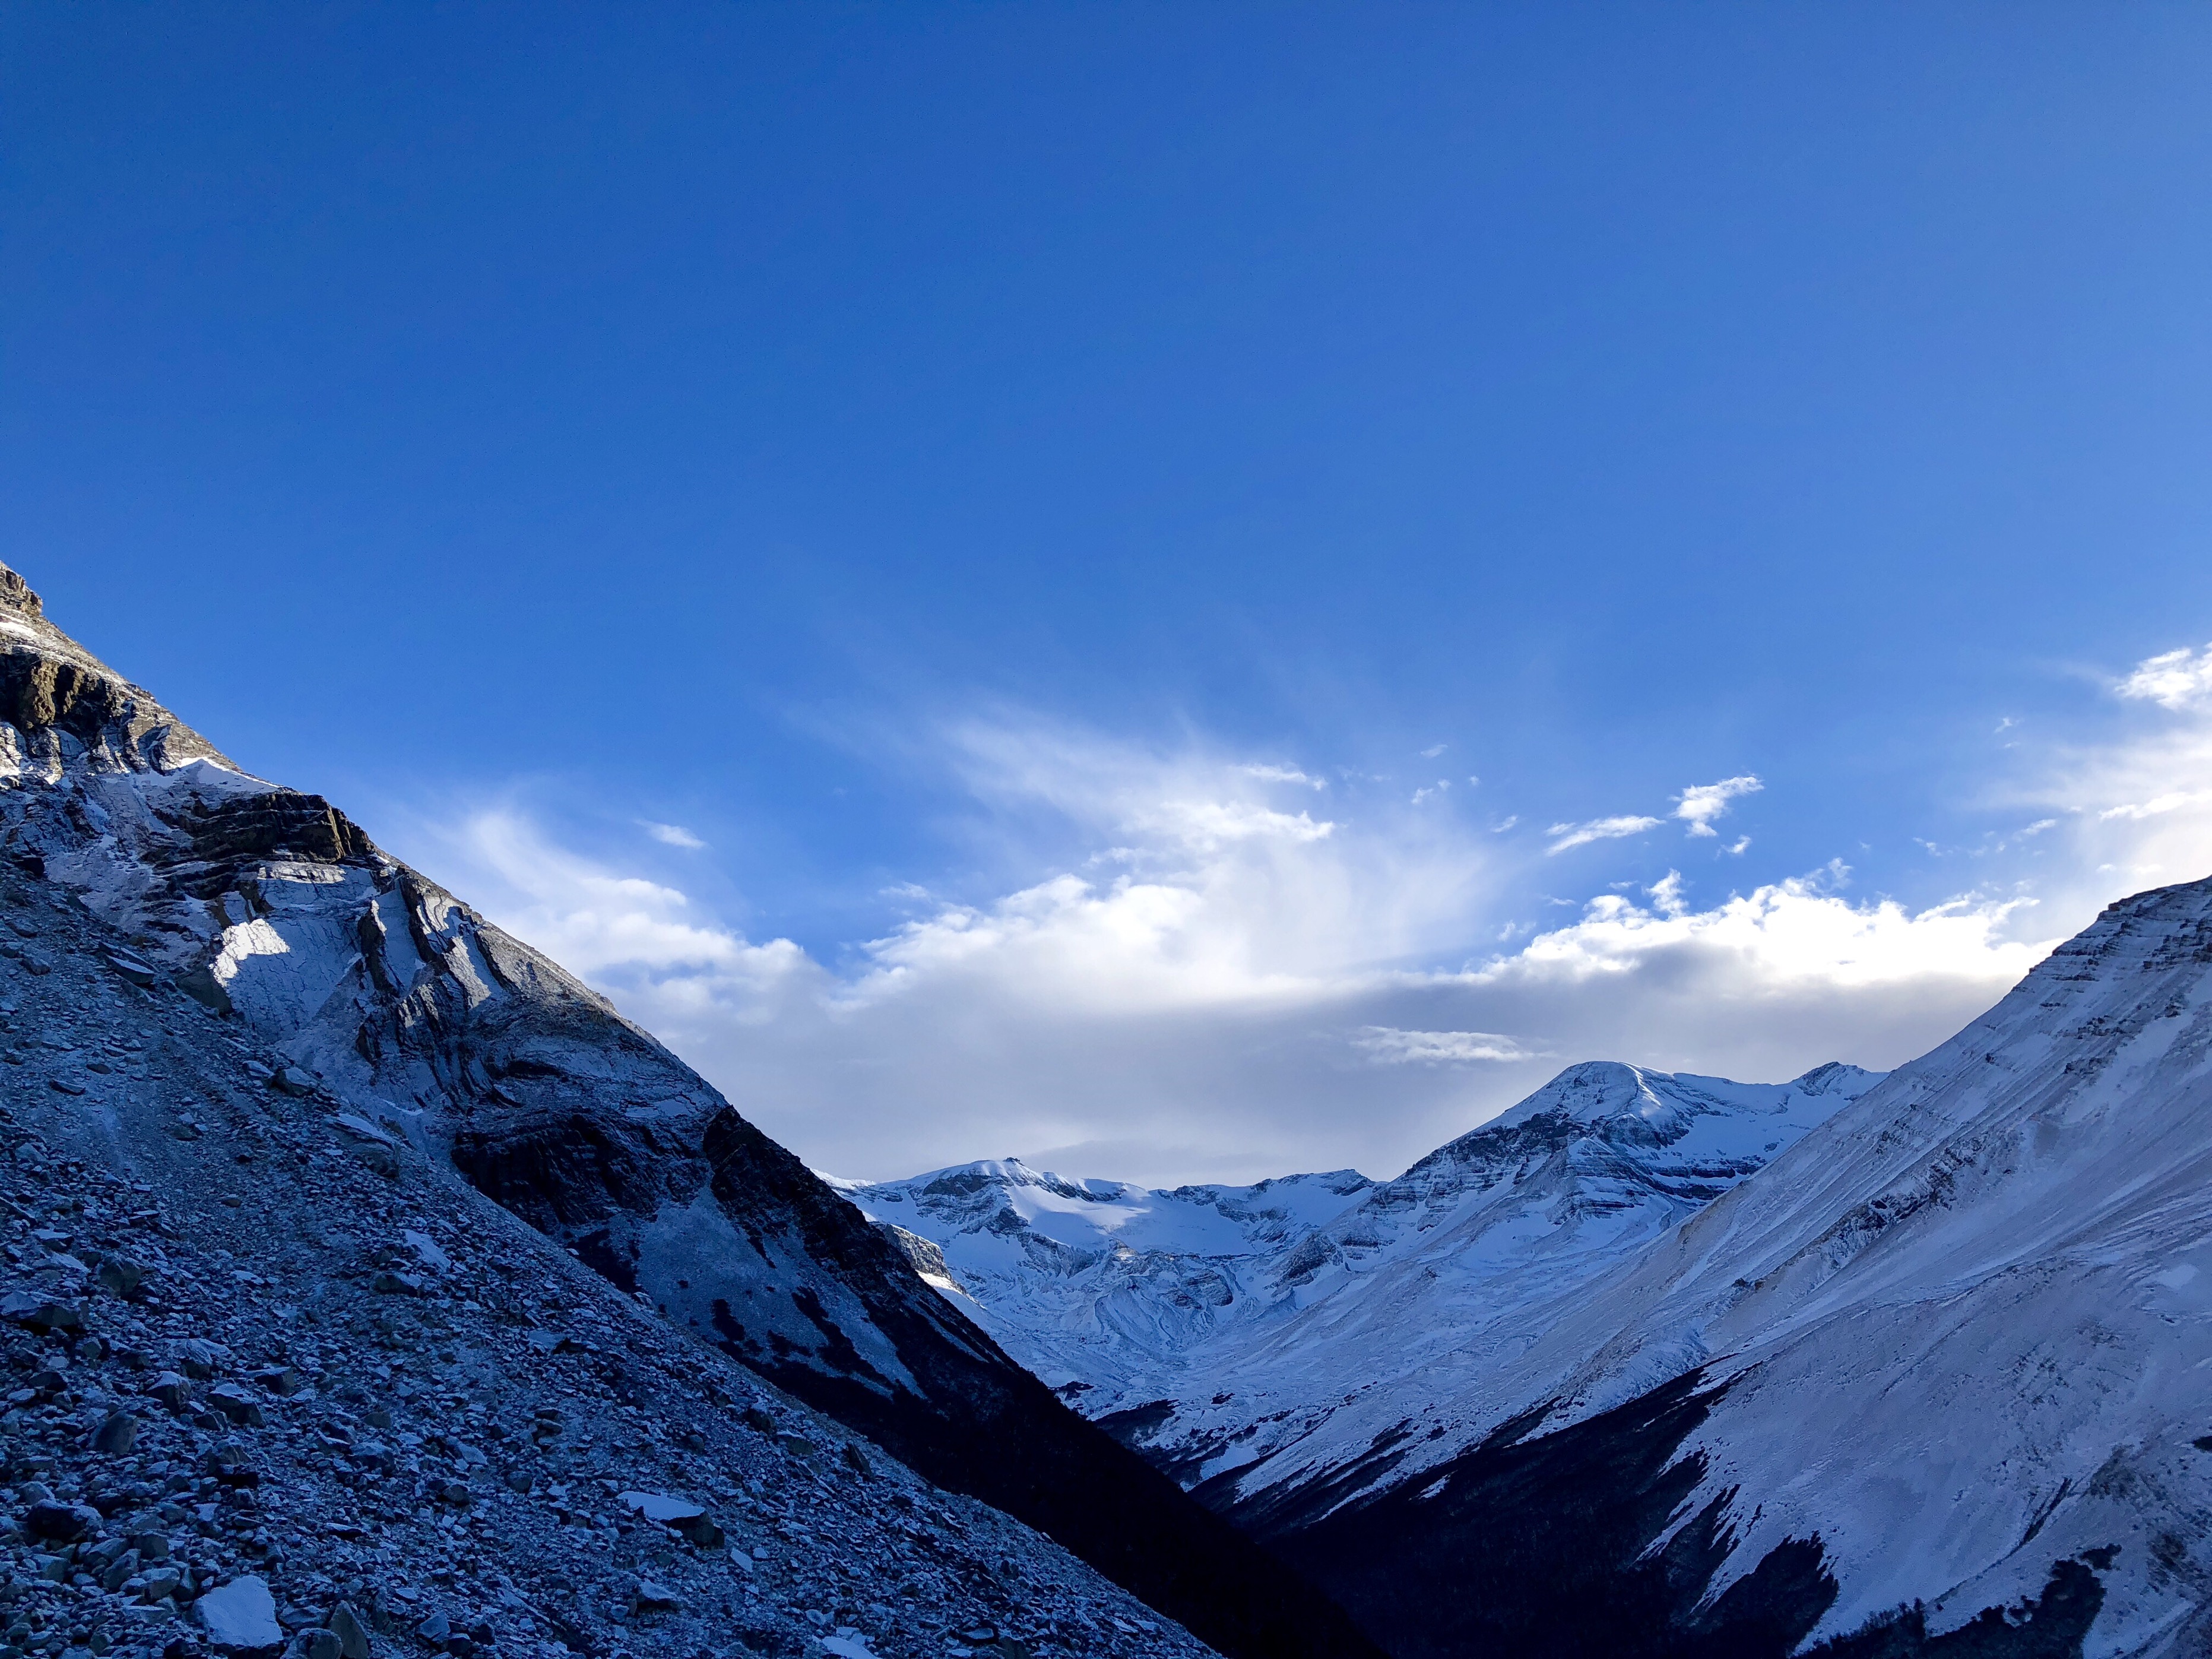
point(1951, 1354)
point(1101, 1288)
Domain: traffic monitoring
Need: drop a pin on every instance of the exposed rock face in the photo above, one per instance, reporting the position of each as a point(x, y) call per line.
point(63, 705)
point(436, 1028)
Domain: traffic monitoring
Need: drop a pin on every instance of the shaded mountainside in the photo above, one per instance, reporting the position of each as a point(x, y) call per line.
point(388, 994)
point(271, 1371)
point(1930, 1383)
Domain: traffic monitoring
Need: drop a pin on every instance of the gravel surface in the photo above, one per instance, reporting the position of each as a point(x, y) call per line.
point(276, 1382)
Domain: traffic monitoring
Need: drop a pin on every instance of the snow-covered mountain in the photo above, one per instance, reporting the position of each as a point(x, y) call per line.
point(1868, 1367)
point(1936, 1380)
point(1099, 1287)
point(396, 1002)
point(1217, 1328)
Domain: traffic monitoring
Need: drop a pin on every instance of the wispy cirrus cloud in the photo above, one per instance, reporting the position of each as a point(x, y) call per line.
point(673, 834)
point(2134, 811)
point(1565, 836)
point(1269, 773)
point(1698, 805)
point(1386, 1045)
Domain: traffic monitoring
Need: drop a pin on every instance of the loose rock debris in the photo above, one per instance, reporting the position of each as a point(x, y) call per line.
point(276, 1384)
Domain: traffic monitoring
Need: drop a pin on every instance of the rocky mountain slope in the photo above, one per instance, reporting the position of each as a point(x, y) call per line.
point(1933, 1382)
point(375, 989)
point(1224, 1330)
point(275, 1379)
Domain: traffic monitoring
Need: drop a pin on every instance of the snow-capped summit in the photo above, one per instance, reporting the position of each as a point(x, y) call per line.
point(1601, 1140)
point(1217, 1327)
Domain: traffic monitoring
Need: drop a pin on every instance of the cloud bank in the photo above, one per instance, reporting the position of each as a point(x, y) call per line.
point(1214, 979)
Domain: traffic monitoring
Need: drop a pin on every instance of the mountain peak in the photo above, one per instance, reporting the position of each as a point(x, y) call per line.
point(15, 594)
point(68, 709)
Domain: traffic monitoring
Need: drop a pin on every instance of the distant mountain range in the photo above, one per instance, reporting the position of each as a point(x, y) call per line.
point(1220, 1330)
point(1662, 1364)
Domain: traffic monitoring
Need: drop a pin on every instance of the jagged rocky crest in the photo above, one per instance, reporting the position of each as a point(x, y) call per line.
point(274, 909)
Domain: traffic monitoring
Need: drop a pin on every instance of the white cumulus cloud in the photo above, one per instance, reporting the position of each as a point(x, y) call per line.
point(1781, 936)
point(2172, 679)
point(672, 835)
point(1701, 803)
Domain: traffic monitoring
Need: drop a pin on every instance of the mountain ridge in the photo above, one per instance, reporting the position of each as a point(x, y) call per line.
point(1142, 1306)
point(433, 1024)
point(1992, 1269)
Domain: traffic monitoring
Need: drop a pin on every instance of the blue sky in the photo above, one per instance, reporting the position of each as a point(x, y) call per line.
point(953, 464)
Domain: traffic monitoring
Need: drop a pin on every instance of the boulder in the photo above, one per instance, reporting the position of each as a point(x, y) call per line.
point(240, 1617)
point(57, 1522)
point(677, 1515)
point(41, 1313)
point(236, 1404)
point(119, 1274)
point(140, 974)
point(650, 1596)
point(197, 1357)
point(351, 1631)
